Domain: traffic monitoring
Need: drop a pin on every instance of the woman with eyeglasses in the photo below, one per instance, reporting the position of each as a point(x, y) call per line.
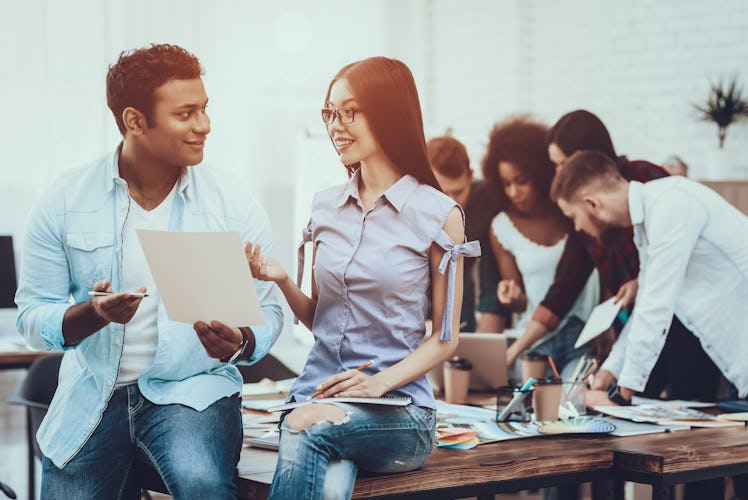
point(387, 250)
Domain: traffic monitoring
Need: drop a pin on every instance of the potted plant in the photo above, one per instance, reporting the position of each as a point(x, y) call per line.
point(725, 106)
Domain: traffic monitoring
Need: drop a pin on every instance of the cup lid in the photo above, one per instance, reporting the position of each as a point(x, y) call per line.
point(534, 356)
point(549, 381)
point(459, 363)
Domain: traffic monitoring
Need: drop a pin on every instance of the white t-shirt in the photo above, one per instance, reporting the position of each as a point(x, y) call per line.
point(141, 332)
point(537, 264)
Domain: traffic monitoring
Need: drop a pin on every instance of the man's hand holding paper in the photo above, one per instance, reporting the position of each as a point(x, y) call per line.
point(203, 277)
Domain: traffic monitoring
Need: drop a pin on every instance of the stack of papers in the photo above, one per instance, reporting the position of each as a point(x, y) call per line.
point(458, 438)
point(667, 415)
point(267, 389)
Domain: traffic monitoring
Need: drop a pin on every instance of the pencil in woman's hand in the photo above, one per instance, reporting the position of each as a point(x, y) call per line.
point(365, 365)
point(358, 368)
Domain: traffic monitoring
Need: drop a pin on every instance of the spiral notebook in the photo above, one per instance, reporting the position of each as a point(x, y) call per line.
point(389, 401)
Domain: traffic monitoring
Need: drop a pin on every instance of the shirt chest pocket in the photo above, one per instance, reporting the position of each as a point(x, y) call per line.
point(90, 257)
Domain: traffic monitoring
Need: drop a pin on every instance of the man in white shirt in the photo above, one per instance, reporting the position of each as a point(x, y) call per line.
point(693, 252)
point(693, 249)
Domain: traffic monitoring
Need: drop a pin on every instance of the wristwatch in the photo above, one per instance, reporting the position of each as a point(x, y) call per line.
point(240, 351)
point(614, 394)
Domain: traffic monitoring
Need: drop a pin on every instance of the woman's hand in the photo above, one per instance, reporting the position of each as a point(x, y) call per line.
point(351, 383)
point(511, 295)
point(627, 293)
point(264, 267)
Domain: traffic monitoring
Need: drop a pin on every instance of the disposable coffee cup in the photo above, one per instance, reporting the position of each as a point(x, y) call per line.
point(546, 398)
point(535, 365)
point(456, 380)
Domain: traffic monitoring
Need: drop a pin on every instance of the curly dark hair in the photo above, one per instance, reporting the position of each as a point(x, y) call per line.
point(521, 141)
point(134, 78)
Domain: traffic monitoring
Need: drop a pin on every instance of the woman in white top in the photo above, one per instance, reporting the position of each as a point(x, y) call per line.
point(528, 236)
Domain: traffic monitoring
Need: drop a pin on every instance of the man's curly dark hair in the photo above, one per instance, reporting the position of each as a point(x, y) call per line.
point(134, 78)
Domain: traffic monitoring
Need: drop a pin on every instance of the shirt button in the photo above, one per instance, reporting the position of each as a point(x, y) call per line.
point(109, 382)
point(117, 341)
point(92, 421)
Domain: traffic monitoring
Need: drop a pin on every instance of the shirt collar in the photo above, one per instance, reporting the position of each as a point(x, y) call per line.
point(113, 177)
point(636, 202)
point(398, 193)
point(351, 190)
point(112, 169)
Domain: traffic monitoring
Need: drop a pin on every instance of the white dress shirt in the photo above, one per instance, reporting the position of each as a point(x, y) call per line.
point(693, 252)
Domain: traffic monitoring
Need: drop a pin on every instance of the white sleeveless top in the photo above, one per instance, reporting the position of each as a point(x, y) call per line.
point(537, 264)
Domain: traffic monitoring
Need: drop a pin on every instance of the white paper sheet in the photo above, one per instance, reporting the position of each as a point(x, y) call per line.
point(202, 277)
point(600, 320)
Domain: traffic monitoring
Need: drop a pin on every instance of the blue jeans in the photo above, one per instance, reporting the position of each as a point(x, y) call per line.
point(322, 460)
point(194, 452)
point(561, 347)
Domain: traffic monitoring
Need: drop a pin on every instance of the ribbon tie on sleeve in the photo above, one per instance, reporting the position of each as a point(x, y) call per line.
point(452, 252)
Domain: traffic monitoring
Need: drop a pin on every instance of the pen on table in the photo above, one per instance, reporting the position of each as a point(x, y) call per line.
point(553, 366)
point(104, 294)
point(358, 368)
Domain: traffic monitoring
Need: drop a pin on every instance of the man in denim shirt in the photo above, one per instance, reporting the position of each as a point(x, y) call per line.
point(136, 389)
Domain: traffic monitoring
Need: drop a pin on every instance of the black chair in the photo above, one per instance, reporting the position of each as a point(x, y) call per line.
point(36, 394)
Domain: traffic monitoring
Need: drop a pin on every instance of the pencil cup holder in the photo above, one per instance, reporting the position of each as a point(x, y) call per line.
point(576, 393)
point(456, 380)
point(513, 405)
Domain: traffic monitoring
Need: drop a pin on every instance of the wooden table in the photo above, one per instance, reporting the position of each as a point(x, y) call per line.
point(664, 460)
point(487, 469)
point(661, 460)
point(10, 360)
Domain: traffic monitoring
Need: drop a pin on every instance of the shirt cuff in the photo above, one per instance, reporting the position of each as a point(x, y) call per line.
point(633, 378)
point(546, 317)
point(51, 326)
point(265, 336)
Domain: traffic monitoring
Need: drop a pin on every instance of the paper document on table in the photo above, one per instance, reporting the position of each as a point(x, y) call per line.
point(202, 276)
point(600, 320)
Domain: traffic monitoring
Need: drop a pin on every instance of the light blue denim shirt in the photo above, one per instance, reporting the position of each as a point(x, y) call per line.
point(373, 276)
point(72, 241)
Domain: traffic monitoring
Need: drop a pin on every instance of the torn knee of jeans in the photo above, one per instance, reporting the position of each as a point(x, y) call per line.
point(296, 424)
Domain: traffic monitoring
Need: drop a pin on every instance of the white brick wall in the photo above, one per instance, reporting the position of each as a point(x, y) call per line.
point(638, 64)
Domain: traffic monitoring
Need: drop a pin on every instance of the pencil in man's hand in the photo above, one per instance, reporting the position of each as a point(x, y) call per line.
point(358, 368)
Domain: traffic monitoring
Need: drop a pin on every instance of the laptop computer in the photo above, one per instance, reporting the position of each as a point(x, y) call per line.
point(487, 353)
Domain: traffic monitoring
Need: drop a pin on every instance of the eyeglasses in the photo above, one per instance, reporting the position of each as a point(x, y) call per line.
point(345, 115)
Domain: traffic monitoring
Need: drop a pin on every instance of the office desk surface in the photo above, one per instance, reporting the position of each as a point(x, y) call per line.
point(504, 466)
point(657, 459)
point(682, 451)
